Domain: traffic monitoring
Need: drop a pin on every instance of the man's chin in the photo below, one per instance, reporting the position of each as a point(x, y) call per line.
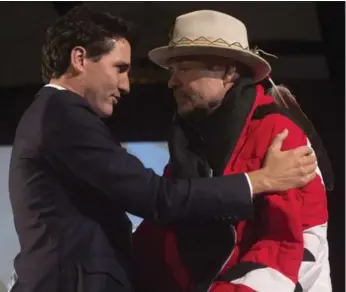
point(184, 111)
point(195, 115)
point(106, 114)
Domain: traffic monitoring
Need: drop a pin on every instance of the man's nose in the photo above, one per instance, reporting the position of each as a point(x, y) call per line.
point(124, 85)
point(173, 81)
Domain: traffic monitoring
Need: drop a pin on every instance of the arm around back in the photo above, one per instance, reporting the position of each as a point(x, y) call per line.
point(75, 139)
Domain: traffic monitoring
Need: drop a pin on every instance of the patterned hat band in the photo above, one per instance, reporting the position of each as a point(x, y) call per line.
point(203, 41)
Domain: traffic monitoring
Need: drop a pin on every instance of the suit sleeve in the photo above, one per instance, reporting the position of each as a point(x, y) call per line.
point(291, 251)
point(77, 141)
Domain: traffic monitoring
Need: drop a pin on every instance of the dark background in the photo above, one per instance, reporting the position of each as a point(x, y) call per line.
point(308, 38)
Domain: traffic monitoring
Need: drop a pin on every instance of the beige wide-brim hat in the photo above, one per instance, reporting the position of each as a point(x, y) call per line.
point(213, 33)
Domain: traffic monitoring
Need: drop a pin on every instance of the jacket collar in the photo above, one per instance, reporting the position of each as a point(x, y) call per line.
point(220, 131)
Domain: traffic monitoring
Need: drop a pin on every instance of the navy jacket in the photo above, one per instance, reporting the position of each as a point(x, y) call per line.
point(71, 184)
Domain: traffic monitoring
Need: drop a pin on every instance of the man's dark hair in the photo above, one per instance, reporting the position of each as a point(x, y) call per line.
point(81, 26)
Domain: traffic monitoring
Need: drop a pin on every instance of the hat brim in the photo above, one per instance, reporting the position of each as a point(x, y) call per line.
point(258, 65)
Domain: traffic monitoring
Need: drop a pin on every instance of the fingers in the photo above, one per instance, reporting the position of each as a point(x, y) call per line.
point(278, 140)
point(303, 151)
point(308, 160)
point(308, 178)
point(307, 170)
point(307, 174)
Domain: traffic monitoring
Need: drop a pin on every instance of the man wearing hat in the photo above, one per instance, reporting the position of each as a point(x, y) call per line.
point(71, 183)
point(225, 123)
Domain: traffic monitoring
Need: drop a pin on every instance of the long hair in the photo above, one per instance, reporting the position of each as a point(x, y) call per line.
point(286, 100)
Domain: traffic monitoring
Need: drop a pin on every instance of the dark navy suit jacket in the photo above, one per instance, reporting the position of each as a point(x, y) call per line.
point(71, 184)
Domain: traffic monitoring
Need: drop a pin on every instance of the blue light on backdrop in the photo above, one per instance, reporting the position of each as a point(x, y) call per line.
point(153, 155)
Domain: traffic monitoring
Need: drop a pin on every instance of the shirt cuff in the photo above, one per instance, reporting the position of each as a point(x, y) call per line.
point(250, 185)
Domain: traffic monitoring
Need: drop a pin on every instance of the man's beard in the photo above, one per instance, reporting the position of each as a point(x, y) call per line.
point(201, 113)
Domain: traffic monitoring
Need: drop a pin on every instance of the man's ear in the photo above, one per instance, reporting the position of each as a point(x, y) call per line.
point(231, 75)
point(78, 59)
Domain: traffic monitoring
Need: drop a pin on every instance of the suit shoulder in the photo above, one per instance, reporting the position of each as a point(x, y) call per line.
point(67, 105)
point(67, 112)
point(65, 99)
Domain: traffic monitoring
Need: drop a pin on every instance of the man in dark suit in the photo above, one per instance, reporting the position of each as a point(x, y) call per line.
point(71, 182)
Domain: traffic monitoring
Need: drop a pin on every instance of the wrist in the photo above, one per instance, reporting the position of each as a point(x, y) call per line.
point(260, 181)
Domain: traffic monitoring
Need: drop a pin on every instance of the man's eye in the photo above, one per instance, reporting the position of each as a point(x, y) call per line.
point(122, 68)
point(182, 69)
point(185, 69)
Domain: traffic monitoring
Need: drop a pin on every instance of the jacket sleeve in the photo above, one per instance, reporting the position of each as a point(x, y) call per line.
point(76, 141)
point(291, 251)
point(150, 244)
